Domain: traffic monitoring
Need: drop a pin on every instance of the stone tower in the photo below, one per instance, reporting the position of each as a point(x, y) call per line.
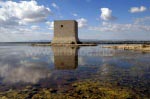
point(65, 32)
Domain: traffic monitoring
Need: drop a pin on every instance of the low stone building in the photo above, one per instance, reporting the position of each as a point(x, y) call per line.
point(65, 32)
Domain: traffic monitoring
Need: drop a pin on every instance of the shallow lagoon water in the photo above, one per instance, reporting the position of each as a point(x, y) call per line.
point(57, 68)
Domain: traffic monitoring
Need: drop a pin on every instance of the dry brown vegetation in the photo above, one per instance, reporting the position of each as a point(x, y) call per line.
point(136, 47)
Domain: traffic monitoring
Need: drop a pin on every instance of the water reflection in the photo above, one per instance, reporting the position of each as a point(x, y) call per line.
point(60, 66)
point(18, 65)
point(23, 71)
point(65, 58)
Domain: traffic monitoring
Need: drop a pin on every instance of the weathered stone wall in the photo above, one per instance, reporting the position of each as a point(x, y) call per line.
point(65, 32)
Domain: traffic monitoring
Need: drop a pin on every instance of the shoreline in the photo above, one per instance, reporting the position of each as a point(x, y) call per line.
point(70, 45)
point(134, 47)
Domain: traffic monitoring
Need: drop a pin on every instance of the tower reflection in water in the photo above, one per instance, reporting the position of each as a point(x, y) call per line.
point(65, 58)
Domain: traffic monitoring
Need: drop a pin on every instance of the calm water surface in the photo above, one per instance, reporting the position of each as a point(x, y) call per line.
point(58, 67)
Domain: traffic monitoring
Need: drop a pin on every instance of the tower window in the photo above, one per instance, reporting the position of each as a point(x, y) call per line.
point(61, 26)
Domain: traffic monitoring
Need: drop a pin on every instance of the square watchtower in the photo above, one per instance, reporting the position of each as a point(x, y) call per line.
point(65, 32)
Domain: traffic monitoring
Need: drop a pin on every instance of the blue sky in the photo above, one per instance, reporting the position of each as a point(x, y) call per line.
point(27, 20)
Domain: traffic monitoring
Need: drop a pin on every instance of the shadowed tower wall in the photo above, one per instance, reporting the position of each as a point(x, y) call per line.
point(65, 32)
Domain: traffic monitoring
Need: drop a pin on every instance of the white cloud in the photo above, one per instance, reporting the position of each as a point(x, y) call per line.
point(35, 27)
point(115, 27)
point(82, 22)
point(17, 19)
point(22, 12)
point(106, 14)
point(23, 33)
point(55, 6)
point(75, 14)
point(138, 9)
point(50, 25)
point(144, 20)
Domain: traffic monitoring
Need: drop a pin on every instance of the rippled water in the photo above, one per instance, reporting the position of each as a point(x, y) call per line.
point(58, 67)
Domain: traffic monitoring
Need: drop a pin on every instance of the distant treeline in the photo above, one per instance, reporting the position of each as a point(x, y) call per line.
point(88, 41)
point(118, 42)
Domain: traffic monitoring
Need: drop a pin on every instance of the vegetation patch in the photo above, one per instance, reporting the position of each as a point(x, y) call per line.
point(79, 90)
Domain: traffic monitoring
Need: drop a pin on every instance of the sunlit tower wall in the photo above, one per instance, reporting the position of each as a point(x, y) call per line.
point(65, 32)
